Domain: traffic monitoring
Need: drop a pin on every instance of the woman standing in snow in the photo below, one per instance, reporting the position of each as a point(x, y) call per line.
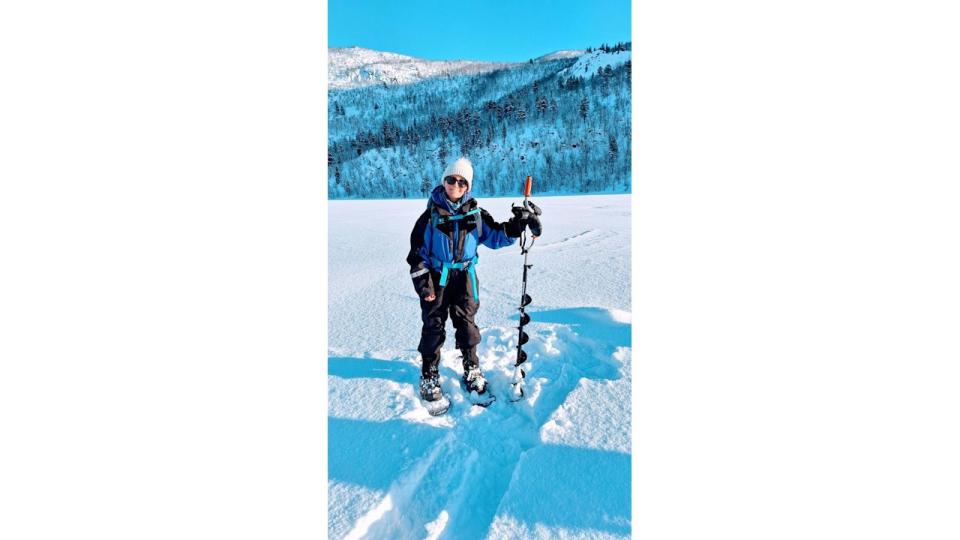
point(442, 259)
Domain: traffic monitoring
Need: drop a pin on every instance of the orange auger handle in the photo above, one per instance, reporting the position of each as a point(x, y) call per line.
point(528, 187)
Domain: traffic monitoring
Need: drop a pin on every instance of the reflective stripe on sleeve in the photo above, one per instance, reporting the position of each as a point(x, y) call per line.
point(419, 272)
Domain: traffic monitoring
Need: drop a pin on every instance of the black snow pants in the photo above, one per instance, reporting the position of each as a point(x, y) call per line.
point(456, 298)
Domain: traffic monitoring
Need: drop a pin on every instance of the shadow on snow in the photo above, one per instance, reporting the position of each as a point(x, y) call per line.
point(357, 368)
point(375, 454)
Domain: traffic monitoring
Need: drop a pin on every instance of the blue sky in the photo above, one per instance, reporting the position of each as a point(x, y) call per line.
point(477, 29)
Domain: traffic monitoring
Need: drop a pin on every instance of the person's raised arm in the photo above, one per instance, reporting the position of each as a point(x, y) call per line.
point(496, 235)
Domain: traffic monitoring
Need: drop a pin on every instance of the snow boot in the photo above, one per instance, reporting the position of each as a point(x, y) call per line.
point(430, 388)
point(473, 378)
point(432, 395)
point(476, 387)
point(474, 381)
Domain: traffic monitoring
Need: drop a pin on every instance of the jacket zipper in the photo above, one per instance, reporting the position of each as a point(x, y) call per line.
point(456, 238)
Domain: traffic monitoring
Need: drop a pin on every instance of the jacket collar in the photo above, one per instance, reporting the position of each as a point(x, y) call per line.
point(439, 198)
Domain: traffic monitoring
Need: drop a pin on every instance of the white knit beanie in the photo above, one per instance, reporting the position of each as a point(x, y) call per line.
point(460, 167)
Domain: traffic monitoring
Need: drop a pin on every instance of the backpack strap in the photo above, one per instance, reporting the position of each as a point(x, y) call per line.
point(437, 219)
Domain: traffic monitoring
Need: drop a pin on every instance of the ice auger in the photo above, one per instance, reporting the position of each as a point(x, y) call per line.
point(528, 208)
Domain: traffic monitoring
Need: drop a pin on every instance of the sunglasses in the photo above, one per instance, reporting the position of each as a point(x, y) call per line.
point(459, 181)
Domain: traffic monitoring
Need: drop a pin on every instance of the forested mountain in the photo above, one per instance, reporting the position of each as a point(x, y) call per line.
point(563, 118)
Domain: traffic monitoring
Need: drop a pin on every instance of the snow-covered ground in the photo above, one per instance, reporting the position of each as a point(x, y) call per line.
point(556, 465)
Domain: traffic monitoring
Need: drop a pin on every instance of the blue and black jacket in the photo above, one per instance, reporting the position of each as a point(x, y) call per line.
point(445, 240)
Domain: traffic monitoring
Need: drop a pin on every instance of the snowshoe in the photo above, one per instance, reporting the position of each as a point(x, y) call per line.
point(476, 387)
point(432, 396)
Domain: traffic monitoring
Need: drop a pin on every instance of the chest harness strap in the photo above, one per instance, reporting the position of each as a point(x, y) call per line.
point(437, 219)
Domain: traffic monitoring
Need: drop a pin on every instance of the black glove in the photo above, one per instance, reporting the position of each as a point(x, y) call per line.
point(523, 217)
point(536, 229)
point(518, 222)
point(513, 228)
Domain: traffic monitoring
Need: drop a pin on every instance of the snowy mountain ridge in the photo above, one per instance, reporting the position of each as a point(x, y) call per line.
point(558, 55)
point(355, 67)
